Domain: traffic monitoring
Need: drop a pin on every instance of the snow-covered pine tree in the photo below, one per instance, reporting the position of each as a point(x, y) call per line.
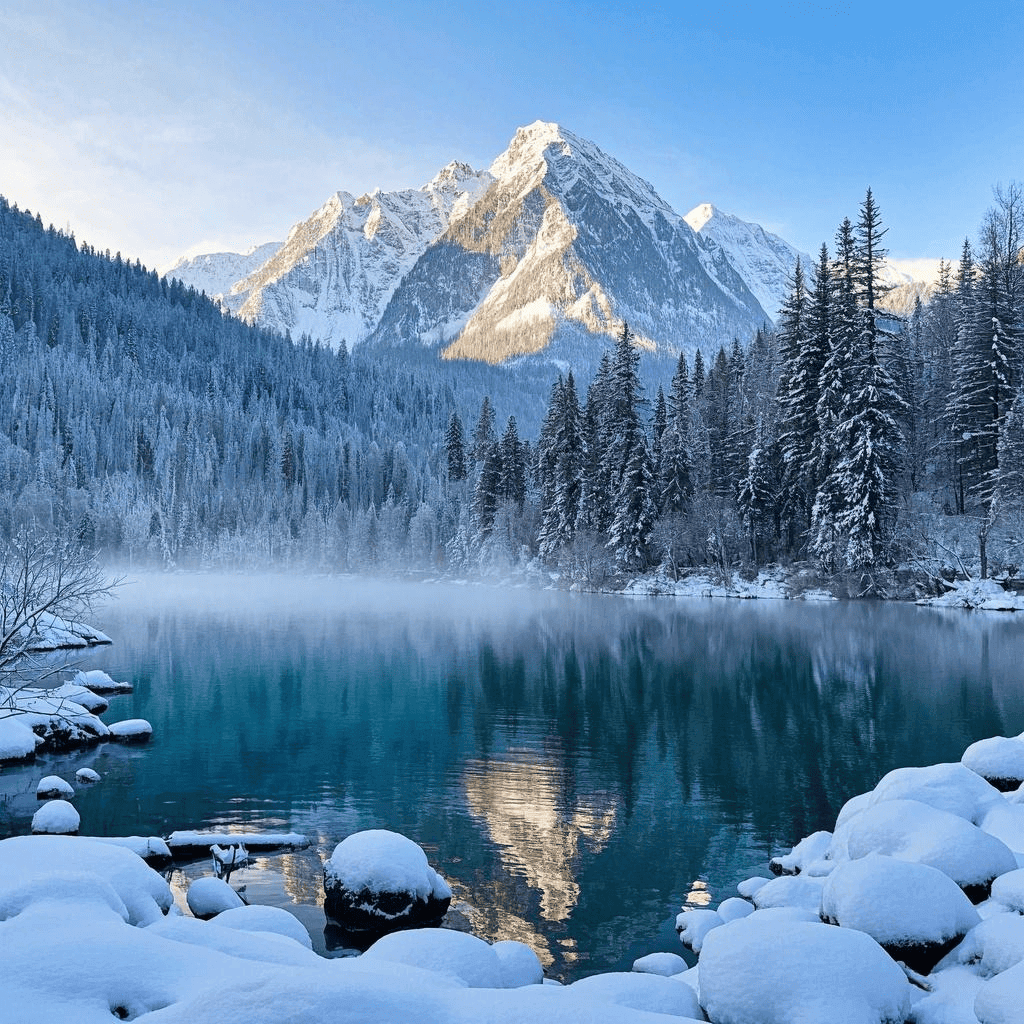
point(455, 448)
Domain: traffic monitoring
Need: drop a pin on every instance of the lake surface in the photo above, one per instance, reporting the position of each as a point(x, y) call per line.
point(578, 767)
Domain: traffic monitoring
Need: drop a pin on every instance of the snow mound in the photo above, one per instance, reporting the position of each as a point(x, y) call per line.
point(61, 887)
point(456, 955)
point(53, 787)
point(144, 893)
point(910, 830)
point(999, 1000)
point(146, 847)
point(1008, 890)
point(664, 964)
point(87, 776)
point(916, 912)
point(694, 925)
point(998, 759)
point(993, 946)
point(17, 741)
point(640, 992)
point(207, 897)
point(770, 970)
point(800, 891)
point(749, 886)
point(265, 919)
point(381, 861)
point(946, 787)
point(56, 818)
point(734, 907)
point(262, 947)
point(82, 696)
point(519, 964)
point(806, 852)
point(1005, 821)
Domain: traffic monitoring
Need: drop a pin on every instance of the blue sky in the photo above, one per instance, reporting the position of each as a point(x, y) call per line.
point(158, 129)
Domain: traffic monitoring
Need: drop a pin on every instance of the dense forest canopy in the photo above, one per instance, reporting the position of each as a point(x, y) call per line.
point(140, 419)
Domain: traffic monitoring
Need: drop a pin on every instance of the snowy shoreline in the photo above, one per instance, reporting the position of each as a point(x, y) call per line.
point(92, 931)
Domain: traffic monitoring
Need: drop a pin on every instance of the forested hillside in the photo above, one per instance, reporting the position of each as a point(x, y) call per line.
point(138, 417)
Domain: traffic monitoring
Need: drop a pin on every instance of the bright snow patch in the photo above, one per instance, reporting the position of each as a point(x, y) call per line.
point(274, 920)
point(53, 787)
point(455, 954)
point(640, 992)
point(519, 964)
point(665, 964)
point(17, 741)
point(1000, 759)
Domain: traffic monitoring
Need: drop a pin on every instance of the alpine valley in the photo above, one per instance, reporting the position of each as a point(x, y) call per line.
point(548, 251)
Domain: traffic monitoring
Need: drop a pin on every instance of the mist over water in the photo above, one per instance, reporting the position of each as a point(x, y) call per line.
point(576, 766)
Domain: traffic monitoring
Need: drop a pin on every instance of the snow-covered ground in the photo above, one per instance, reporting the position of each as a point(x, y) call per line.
point(90, 933)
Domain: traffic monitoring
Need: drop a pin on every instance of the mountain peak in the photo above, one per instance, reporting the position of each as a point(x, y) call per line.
point(529, 147)
point(699, 216)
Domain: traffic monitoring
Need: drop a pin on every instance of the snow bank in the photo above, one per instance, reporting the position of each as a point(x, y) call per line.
point(640, 992)
point(999, 1000)
point(465, 958)
point(273, 920)
point(770, 970)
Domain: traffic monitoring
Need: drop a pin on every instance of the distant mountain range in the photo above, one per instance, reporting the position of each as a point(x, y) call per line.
point(548, 251)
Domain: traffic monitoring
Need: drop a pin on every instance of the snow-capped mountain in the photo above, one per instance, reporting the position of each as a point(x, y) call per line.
point(336, 271)
point(549, 250)
point(764, 260)
point(217, 273)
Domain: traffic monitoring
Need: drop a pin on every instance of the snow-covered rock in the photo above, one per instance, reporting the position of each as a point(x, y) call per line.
point(913, 831)
point(946, 787)
point(56, 818)
point(58, 721)
point(665, 964)
point(519, 964)
point(693, 925)
point(87, 776)
point(997, 759)
point(1008, 890)
point(26, 859)
point(53, 787)
point(993, 946)
point(734, 907)
point(274, 920)
point(99, 682)
point(915, 912)
point(999, 999)
point(152, 849)
point(806, 852)
point(131, 730)
point(208, 897)
point(378, 881)
point(766, 969)
point(450, 953)
point(189, 843)
point(81, 695)
point(802, 891)
point(647, 992)
point(17, 741)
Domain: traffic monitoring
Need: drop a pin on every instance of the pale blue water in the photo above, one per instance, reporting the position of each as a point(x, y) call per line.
point(577, 766)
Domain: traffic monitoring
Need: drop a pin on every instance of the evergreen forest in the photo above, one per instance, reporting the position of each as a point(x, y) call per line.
point(874, 452)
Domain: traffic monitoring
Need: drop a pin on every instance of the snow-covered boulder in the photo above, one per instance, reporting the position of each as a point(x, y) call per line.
point(665, 964)
point(87, 776)
point(915, 912)
point(769, 969)
point(100, 683)
point(640, 992)
point(946, 787)
point(144, 893)
point(453, 954)
point(1008, 890)
point(274, 920)
point(60, 723)
point(693, 925)
point(17, 740)
point(801, 891)
point(913, 831)
point(808, 851)
point(1005, 821)
point(379, 881)
point(519, 964)
point(131, 730)
point(53, 787)
point(999, 760)
point(749, 886)
point(734, 907)
point(56, 818)
point(999, 999)
point(993, 946)
point(208, 897)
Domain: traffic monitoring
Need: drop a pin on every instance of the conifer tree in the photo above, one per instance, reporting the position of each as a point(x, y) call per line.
point(455, 447)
